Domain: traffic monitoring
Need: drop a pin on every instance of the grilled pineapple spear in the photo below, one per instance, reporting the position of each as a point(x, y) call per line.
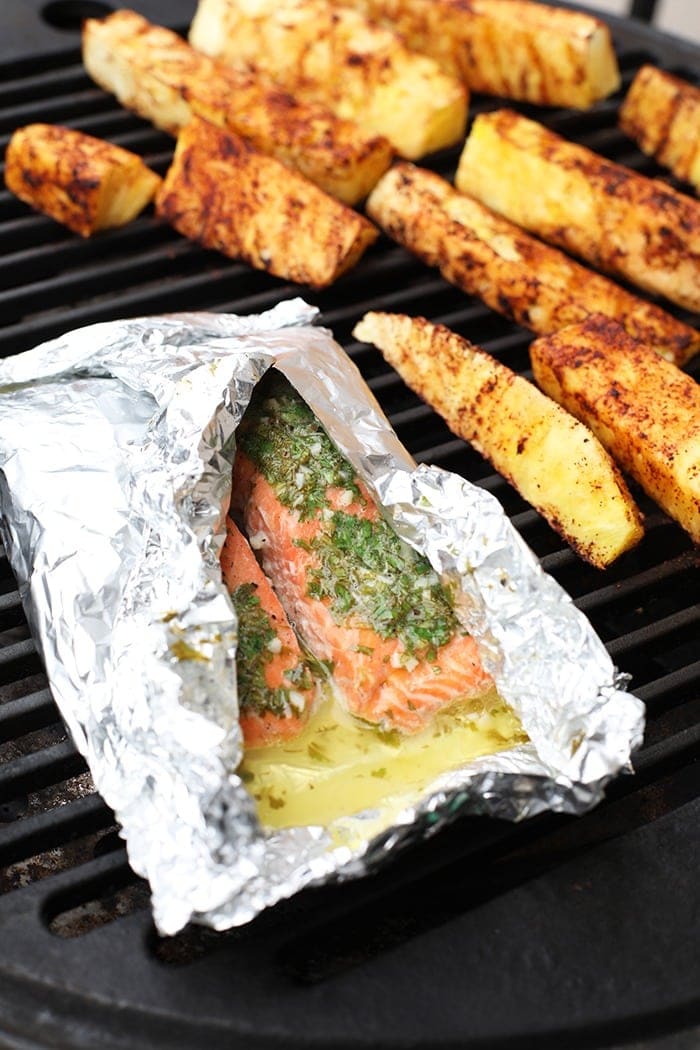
point(333, 55)
point(515, 49)
point(156, 73)
point(485, 255)
point(551, 459)
point(225, 195)
point(662, 114)
point(614, 218)
point(644, 410)
point(85, 183)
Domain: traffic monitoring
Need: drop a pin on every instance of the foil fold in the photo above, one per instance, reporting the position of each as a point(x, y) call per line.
point(116, 447)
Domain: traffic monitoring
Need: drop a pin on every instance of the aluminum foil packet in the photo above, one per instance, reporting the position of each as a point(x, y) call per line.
point(116, 448)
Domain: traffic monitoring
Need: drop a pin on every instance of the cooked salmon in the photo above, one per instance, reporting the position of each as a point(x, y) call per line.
point(361, 600)
point(276, 684)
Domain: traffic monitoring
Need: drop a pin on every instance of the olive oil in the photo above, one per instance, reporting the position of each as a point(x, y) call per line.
point(339, 766)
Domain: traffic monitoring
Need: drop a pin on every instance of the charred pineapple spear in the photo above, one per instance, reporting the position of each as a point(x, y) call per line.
point(551, 459)
point(516, 49)
point(638, 228)
point(662, 114)
point(154, 72)
point(331, 54)
point(225, 195)
point(85, 183)
point(644, 410)
point(515, 274)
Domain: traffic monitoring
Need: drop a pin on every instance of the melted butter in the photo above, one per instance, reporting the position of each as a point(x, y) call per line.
point(338, 766)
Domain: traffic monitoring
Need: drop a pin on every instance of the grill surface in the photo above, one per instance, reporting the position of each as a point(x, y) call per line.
point(559, 932)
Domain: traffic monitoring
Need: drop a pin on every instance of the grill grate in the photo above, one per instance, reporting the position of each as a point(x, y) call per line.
point(510, 935)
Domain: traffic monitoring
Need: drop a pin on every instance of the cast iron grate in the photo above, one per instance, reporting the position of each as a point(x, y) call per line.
point(507, 934)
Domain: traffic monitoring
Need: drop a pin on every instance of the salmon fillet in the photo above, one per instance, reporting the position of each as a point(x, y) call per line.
point(276, 686)
point(359, 598)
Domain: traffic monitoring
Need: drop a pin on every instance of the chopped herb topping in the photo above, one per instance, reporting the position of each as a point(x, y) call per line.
point(292, 450)
point(255, 635)
point(363, 569)
point(182, 651)
point(316, 752)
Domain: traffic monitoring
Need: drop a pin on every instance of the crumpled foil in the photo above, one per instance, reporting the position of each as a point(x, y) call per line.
point(116, 445)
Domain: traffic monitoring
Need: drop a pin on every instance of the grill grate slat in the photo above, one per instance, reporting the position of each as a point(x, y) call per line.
point(615, 591)
point(58, 110)
point(66, 79)
point(13, 654)
point(159, 295)
point(43, 831)
point(96, 876)
point(654, 632)
point(36, 770)
point(86, 281)
point(32, 263)
point(662, 687)
point(9, 601)
point(26, 713)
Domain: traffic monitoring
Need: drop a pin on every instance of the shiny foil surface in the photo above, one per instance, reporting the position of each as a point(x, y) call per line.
point(116, 447)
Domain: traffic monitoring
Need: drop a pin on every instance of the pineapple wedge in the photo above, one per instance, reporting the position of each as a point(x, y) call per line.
point(512, 48)
point(333, 55)
point(644, 410)
point(156, 73)
point(82, 182)
point(225, 195)
point(552, 460)
point(662, 114)
point(514, 274)
point(614, 218)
